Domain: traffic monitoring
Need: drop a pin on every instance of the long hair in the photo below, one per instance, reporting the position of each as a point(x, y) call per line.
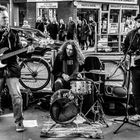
point(77, 53)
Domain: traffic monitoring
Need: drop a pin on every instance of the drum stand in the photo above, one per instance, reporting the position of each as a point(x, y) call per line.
point(97, 108)
point(80, 112)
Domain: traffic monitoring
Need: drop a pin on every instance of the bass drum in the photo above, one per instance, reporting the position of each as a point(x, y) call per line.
point(63, 108)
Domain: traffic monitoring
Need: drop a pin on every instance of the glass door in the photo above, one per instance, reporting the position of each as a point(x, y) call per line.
point(113, 30)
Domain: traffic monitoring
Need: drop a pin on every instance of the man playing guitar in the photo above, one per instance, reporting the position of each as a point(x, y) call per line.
point(10, 72)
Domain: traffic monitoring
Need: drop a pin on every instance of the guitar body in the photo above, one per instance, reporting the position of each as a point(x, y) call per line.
point(2, 52)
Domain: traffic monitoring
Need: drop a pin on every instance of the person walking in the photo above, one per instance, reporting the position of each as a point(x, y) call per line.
point(84, 34)
point(62, 30)
point(71, 29)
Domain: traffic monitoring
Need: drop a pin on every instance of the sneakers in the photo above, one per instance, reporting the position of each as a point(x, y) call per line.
point(135, 118)
point(20, 127)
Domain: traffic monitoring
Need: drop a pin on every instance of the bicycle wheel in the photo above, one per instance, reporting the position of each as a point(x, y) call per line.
point(116, 74)
point(35, 73)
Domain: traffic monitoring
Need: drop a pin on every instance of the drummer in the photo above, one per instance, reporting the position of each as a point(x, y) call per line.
point(68, 61)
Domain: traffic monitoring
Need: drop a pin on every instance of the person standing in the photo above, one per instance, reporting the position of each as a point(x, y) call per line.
point(91, 35)
point(62, 30)
point(132, 46)
point(84, 34)
point(71, 29)
point(10, 72)
point(52, 28)
point(79, 29)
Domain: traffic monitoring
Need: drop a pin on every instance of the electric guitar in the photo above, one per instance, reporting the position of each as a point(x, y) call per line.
point(10, 54)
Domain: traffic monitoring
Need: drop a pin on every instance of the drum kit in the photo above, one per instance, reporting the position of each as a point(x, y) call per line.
point(66, 104)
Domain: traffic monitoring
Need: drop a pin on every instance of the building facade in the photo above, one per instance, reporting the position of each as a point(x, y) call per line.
point(114, 18)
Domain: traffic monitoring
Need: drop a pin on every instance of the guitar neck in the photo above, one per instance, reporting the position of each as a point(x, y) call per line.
point(5, 56)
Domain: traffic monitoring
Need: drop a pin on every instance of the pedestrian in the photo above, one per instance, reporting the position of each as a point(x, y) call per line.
point(38, 22)
point(26, 24)
point(62, 30)
point(67, 62)
point(132, 47)
point(71, 29)
point(79, 29)
point(91, 35)
point(53, 28)
point(10, 72)
point(84, 34)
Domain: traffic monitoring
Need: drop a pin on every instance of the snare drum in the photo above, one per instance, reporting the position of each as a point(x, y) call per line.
point(81, 87)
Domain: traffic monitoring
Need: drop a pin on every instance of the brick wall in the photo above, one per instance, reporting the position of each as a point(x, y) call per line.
point(66, 10)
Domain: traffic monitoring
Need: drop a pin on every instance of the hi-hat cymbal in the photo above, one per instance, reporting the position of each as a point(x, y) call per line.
point(102, 72)
point(84, 72)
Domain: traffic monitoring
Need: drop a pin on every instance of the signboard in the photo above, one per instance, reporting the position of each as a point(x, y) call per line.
point(88, 5)
point(46, 0)
point(114, 1)
point(117, 6)
point(4, 1)
point(113, 28)
point(19, 1)
point(47, 5)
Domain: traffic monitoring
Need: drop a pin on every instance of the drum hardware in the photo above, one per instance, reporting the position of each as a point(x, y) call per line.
point(97, 108)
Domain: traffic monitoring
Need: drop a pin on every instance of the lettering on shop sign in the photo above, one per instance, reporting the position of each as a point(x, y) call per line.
point(115, 1)
point(47, 5)
point(88, 5)
point(124, 6)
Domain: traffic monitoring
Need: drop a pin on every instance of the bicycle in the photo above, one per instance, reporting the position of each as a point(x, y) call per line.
point(36, 71)
point(116, 72)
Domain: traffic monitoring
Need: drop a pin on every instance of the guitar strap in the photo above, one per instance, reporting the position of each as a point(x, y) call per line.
point(9, 43)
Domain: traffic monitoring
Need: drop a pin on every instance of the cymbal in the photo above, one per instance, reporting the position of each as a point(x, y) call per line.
point(101, 72)
point(84, 72)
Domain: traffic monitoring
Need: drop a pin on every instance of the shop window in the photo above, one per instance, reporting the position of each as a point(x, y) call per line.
point(105, 7)
point(104, 23)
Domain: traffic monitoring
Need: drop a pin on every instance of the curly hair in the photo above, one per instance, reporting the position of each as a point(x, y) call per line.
point(77, 53)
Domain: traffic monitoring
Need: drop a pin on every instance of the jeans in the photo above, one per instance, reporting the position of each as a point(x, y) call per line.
point(136, 86)
point(60, 83)
point(14, 91)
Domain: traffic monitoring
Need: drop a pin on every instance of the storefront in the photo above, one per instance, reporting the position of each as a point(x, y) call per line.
point(47, 9)
point(114, 19)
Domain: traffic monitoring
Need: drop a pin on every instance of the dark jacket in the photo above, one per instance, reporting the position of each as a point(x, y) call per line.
point(52, 28)
point(132, 40)
point(12, 68)
point(62, 31)
point(58, 67)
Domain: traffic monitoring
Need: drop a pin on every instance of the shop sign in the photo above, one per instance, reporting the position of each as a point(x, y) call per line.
point(115, 6)
point(88, 5)
point(130, 7)
point(113, 28)
point(47, 5)
point(46, 0)
point(115, 1)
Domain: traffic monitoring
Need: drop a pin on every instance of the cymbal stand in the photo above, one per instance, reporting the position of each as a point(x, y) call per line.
point(126, 118)
point(97, 106)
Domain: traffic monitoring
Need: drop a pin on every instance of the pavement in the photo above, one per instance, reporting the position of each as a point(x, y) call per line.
point(35, 116)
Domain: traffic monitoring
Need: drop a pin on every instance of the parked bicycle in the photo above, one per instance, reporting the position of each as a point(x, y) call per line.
point(36, 71)
point(117, 72)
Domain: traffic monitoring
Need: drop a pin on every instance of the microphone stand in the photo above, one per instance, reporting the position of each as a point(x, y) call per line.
point(126, 118)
